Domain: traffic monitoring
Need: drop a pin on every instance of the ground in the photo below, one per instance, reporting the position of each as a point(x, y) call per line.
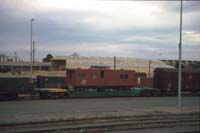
point(60, 109)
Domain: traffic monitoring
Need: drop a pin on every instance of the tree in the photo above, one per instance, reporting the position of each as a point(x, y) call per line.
point(75, 54)
point(47, 58)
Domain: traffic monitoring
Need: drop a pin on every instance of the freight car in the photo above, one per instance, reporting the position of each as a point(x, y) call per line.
point(166, 79)
point(11, 86)
point(97, 81)
point(51, 86)
point(100, 82)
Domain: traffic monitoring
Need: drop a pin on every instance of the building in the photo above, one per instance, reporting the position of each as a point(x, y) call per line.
point(185, 63)
point(21, 66)
point(139, 65)
point(58, 63)
point(5, 58)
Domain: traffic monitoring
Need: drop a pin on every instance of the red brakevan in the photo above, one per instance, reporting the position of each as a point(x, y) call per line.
point(101, 77)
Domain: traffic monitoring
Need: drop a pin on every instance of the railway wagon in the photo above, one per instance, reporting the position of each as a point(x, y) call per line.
point(166, 79)
point(51, 86)
point(101, 77)
point(11, 86)
point(100, 82)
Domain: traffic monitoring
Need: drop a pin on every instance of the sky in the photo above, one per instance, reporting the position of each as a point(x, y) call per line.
point(135, 29)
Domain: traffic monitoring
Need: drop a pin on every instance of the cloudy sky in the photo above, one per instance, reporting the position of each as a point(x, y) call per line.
point(137, 29)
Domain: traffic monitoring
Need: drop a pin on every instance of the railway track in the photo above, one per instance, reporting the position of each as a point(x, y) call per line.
point(105, 124)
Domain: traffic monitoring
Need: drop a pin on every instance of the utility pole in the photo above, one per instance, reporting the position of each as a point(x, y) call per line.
point(149, 68)
point(31, 53)
point(33, 57)
point(114, 62)
point(180, 51)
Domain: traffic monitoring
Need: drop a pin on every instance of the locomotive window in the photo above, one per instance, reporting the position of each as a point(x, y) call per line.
point(102, 74)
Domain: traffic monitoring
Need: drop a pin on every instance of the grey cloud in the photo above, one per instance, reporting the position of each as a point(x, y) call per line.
point(65, 28)
point(191, 6)
point(174, 6)
point(191, 23)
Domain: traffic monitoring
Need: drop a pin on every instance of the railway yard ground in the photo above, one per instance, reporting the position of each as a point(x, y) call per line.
point(100, 114)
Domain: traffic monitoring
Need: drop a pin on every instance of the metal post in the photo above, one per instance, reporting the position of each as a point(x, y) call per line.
point(65, 64)
point(149, 68)
point(12, 67)
point(114, 62)
point(180, 50)
point(33, 57)
point(31, 53)
point(22, 68)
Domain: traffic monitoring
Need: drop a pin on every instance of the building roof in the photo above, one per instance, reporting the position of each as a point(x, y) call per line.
point(125, 63)
point(22, 63)
point(176, 70)
point(58, 58)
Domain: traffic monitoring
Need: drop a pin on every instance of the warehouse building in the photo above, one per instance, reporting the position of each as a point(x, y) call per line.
point(139, 65)
point(185, 63)
point(21, 66)
point(58, 63)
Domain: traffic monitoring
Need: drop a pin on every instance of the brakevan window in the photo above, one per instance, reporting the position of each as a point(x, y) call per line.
point(122, 76)
point(125, 76)
point(102, 74)
point(81, 76)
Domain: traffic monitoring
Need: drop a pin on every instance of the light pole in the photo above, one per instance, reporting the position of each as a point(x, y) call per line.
point(149, 68)
point(33, 72)
point(31, 53)
point(180, 51)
